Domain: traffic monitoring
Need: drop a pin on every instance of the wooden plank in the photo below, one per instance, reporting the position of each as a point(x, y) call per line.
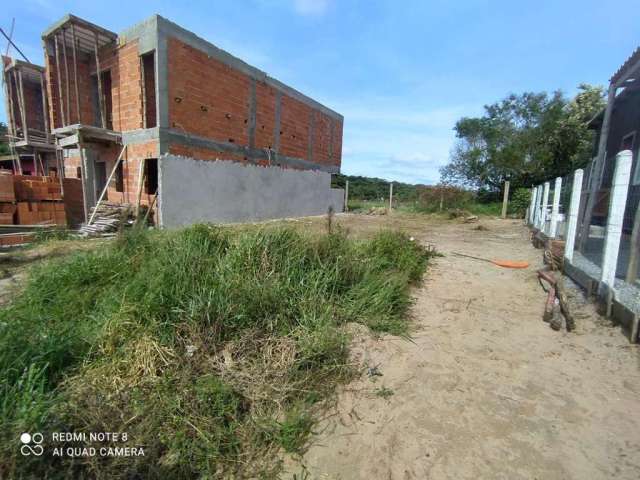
point(58, 77)
point(75, 71)
point(68, 141)
point(99, 78)
point(9, 93)
point(85, 200)
point(140, 184)
point(23, 109)
point(106, 186)
point(66, 72)
point(45, 113)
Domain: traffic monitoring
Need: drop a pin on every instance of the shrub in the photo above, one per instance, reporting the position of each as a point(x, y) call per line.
point(519, 202)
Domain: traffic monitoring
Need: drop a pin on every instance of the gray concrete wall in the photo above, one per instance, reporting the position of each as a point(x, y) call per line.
point(192, 191)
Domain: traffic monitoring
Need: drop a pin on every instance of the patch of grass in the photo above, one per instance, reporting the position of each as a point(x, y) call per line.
point(467, 208)
point(384, 392)
point(45, 235)
point(210, 347)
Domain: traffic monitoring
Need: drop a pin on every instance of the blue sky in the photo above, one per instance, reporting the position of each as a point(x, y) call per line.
point(401, 73)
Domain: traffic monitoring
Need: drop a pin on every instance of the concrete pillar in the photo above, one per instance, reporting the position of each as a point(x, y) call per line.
point(543, 208)
point(346, 197)
point(572, 220)
point(617, 202)
point(532, 203)
point(555, 209)
point(536, 208)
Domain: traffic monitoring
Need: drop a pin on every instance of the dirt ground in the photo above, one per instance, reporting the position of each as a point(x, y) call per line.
point(484, 388)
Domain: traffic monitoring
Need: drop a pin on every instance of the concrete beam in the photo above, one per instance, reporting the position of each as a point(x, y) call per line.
point(253, 155)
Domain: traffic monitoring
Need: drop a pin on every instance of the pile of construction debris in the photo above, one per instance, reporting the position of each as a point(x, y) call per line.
point(107, 219)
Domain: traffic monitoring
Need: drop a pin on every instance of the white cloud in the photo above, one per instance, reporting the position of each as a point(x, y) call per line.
point(383, 138)
point(310, 7)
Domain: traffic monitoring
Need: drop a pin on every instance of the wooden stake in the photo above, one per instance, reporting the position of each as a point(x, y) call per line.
point(153, 202)
point(75, 71)
point(9, 93)
point(66, 72)
point(85, 199)
point(106, 185)
point(505, 199)
point(140, 184)
point(99, 77)
point(390, 196)
point(23, 112)
point(59, 80)
point(45, 113)
point(36, 153)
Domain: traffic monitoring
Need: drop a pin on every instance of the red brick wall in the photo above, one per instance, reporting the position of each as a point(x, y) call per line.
point(206, 97)
point(84, 89)
point(131, 167)
point(294, 125)
point(212, 100)
point(265, 115)
point(124, 64)
point(33, 105)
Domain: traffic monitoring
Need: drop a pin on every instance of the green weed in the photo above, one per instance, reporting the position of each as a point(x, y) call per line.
point(210, 347)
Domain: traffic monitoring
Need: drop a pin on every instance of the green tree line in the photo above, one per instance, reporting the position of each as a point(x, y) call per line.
point(525, 139)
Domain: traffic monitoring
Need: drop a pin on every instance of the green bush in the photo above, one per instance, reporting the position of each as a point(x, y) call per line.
point(519, 202)
point(208, 346)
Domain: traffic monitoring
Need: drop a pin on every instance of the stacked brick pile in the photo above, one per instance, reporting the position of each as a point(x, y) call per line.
point(7, 198)
point(31, 200)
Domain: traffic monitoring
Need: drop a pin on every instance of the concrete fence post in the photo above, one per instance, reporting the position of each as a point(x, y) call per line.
point(390, 196)
point(615, 218)
point(536, 207)
point(505, 199)
point(572, 221)
point(346, 197)
point(555, 209)
point(532, 202)
point(543, 209)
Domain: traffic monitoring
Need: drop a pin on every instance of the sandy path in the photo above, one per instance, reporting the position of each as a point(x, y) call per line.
point(486, 389)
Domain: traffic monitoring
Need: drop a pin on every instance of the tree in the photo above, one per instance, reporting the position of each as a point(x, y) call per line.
point(525, 139)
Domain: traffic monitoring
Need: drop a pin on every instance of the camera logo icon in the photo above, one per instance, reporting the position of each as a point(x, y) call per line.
point(31, 444)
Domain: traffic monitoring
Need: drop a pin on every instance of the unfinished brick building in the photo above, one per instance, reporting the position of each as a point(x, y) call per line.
point(119, 106)
point(33, 149)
